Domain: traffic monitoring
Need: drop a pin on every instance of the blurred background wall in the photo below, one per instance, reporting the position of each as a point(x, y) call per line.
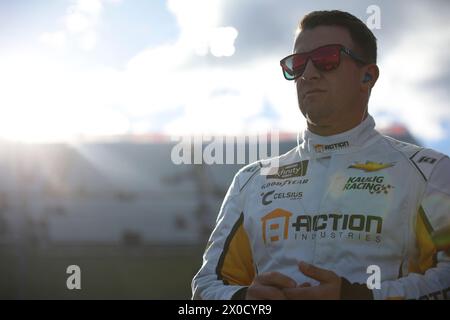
point(135, 223)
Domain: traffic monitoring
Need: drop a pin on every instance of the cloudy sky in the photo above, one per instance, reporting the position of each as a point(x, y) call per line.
point(100, 67)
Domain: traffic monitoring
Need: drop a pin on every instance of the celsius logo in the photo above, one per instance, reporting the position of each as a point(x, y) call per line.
point(331, 147)
point(264, 197)
point(291, 195)
point(276, 225)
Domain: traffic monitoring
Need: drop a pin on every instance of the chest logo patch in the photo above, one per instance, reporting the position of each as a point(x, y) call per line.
point(371, 166)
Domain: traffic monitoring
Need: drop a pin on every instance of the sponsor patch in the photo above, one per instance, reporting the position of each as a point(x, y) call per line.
point(331, 147)
point(297, 169)
point(371, 166)
point(373, 185)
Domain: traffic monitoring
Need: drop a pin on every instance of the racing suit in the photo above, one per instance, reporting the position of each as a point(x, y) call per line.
point(343, 203)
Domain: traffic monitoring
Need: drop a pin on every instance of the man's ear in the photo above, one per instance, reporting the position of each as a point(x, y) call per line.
point(370, 74)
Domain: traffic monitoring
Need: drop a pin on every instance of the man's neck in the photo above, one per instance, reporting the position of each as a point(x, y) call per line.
point(330, 130)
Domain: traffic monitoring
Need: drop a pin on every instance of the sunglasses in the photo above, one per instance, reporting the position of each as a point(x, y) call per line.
point(324, 58)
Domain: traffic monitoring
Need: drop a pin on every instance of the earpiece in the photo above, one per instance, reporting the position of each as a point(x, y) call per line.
point(367, 77)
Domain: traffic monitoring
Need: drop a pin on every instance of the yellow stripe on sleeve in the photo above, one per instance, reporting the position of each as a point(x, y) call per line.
point(236, 267)
point(427, 249)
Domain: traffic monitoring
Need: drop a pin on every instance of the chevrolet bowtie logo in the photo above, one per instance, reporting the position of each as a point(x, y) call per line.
point(370, 166)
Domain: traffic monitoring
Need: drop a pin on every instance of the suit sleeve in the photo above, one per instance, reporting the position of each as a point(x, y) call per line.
point(227, 267)
point(429, 267)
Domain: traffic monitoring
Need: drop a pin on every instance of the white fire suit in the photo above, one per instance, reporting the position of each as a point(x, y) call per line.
point(344, 203)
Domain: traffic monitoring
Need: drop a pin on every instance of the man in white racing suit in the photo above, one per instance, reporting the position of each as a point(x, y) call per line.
point(348, 213)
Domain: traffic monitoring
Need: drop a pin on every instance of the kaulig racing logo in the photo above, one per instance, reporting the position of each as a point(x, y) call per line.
point(374, 185)
point(278, 225)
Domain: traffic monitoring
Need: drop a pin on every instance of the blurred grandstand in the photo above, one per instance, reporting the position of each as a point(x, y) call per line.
point(133, 221)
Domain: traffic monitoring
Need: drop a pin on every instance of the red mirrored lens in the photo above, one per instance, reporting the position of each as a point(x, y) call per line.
point(298, 62)
point(324, 58)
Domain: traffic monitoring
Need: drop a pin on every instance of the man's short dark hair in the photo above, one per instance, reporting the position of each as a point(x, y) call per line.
point(360, 34)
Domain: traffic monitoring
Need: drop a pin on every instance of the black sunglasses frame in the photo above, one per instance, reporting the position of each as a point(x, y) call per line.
point(342, 48)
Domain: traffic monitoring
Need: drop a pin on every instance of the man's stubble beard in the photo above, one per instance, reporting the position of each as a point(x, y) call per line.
point(317, 113)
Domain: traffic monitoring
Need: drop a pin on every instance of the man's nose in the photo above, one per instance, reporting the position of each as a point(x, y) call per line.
point(311, 72)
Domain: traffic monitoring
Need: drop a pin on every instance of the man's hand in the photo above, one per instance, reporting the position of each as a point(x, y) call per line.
point(269, 286)
point(329, 287)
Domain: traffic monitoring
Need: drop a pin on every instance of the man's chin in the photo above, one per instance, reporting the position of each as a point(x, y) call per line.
point(320, 120)
point(318, 113)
